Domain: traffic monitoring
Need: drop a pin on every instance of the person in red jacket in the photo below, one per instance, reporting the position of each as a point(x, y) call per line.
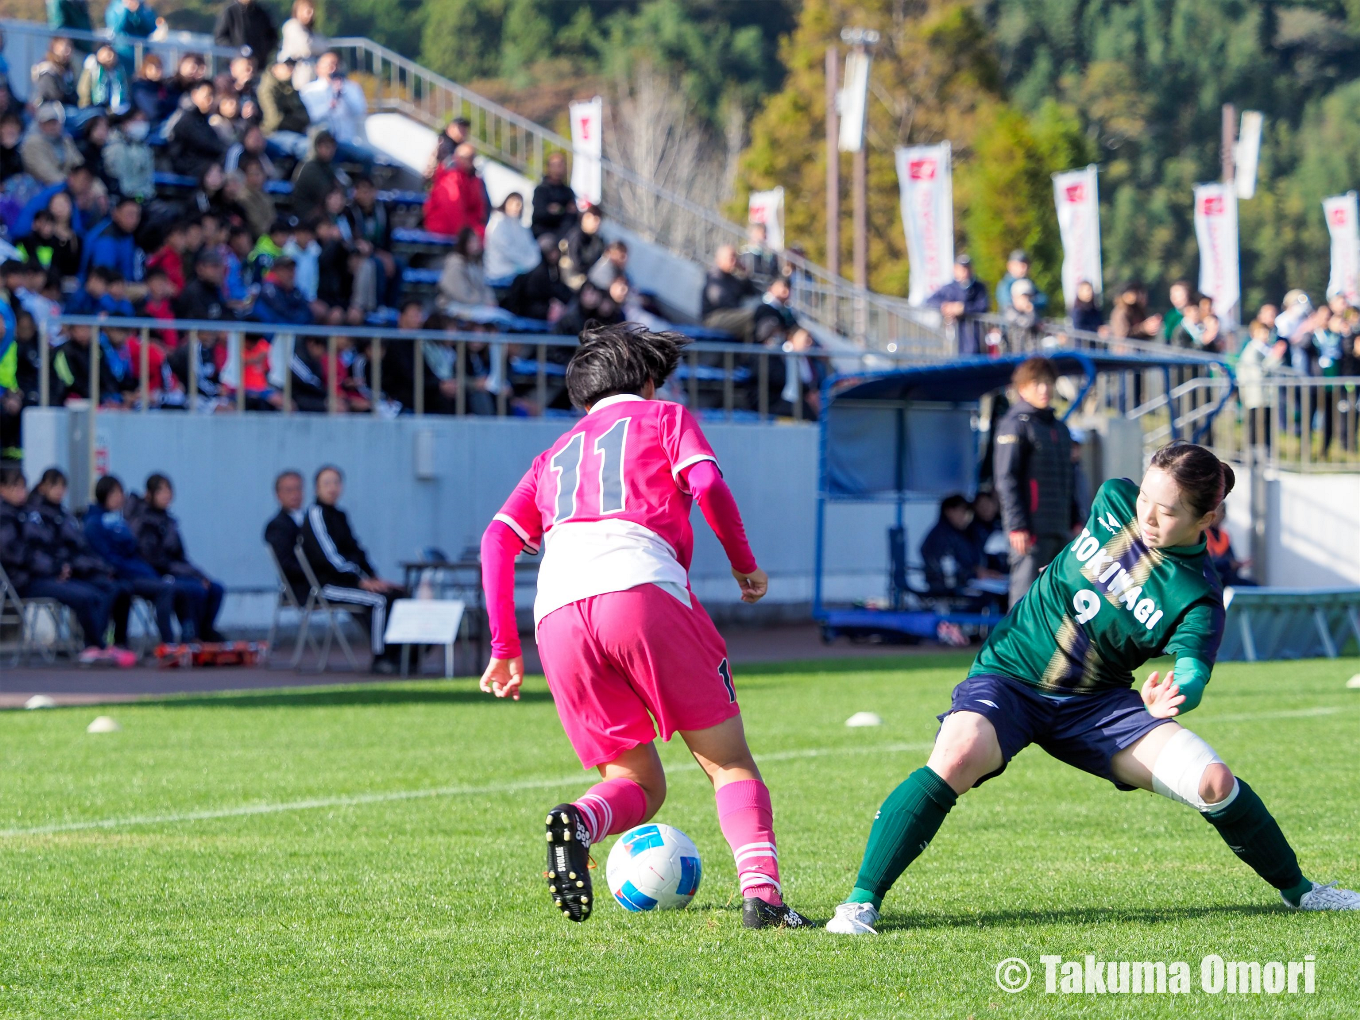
point(457, 198)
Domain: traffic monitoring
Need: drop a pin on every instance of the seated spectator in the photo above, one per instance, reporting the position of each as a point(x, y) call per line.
point(159, 304)
point(191, 69)
point(203, 297)
point(110, 537)
point(590, 303)
point(949, 555)
point(283, 115)
point(169, 257)
point(305, 251)
point(758, 262)
point(194, 145)
point(343, 569)
point(340, 262)
point(555, 210)
point(115, 353)
point(252, 146)
point(36, 573)
point(370, 226)
point(1017, 268)
point(1180, 294)
point(48, 153)
point(52, 239)
point(340, 106)
point(11, 137)
point(1218, 545)
point(112, 244)
point(256, 351)
point(457, 199)
point(219, 198)
point(103, 83)
point(227, 121)
point(773, 319)
point(462, 280)
point(245, 83)
point(540, 293)
point(399, 367)
point(612, 266)
point(1086, 313)
point(54, 77)
point(160, 545)
point(311, 375)
point(91, 137)
point(316, 177)
point(247, 26)
point(582, 248)
point(255, 201)
point(725, 294)
point(270, 247)
point(213, 392)
point(301, 42)
point(70, 14)
point(71, 367)
point(151, 93)
point(991, 541)
point(279, 299)
point(284, 531)
point(1130, 318)
point(97, 294)
point(511, 249)
point(960, 301)
point(129, 163)
point(239, 280)
point(455, 133)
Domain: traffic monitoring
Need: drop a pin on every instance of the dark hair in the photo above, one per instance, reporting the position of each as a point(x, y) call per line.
point(620, 359)
point(12, 474)
point(956, 501)
point(155, 483)
point(1203, 479)
point(1033, 370)
point(290, 473)
point(103, 488)
point(410, 300)
point(465, 237)
point(53, 476)
point(323, 469)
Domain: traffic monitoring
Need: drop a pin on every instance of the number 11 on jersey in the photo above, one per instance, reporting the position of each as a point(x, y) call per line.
point(566, 465)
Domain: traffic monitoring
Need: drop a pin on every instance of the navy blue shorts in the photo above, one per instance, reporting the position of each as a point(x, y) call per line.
point(1086, 730)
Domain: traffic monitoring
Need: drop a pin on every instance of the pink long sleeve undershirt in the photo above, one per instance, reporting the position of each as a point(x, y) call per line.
point(500, 545)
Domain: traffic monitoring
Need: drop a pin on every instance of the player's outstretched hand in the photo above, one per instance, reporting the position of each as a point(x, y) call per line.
point(1163, 697)
point(503, 677)
point(753, 585)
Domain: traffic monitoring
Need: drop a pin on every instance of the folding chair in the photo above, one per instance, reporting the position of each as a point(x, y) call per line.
point(318, 604)
point(144, 612)
point(286, 599)
point(24, 613)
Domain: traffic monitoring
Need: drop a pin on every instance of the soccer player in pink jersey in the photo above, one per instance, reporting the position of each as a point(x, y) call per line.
point(623, 640)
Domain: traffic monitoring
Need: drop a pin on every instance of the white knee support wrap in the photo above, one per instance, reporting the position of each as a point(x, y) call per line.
point(1179, 770)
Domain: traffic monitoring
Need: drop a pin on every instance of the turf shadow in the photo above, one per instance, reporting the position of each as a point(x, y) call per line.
point(333, 697)
point(1070, 916)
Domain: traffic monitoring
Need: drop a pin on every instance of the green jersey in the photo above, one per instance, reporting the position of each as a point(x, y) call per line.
point(1106, 604)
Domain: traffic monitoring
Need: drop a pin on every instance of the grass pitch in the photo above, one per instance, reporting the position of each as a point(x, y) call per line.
point(377, 851)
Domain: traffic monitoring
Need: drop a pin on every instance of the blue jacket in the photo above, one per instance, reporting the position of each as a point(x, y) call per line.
point(140, 23)
point(23, 226)
point(107, 245)
point(82, 302)
point(284, 306)
point(973, 296)
point(110, 537)
point(943, 541)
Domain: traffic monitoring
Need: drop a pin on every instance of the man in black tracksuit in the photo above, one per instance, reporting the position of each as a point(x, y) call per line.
point(343, 569)
point(1034, 477)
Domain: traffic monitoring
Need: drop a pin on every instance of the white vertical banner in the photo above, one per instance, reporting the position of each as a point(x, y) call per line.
point(925, 181)
point(1078, 203)
point(853, 101)
point(1343, 225)
point(767, 207)
point(1247, 154)
point(587, 143)
point(1216, 232)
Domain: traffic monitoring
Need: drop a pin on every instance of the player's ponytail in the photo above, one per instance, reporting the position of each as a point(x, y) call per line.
point(620, 358)
point(1203, 479)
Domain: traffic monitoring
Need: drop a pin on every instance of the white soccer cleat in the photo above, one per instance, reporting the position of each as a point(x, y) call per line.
point(1328, 897)
point(855, 919)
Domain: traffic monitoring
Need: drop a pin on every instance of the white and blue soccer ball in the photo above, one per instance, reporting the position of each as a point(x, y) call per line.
point(653, 867)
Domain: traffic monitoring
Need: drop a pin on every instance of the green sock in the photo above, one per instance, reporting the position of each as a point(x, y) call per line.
point(1253, 834)
point(903, 827)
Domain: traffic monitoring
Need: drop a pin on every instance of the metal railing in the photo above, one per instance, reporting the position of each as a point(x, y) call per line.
point(679, 224)
point(518, 373)
point(26, 44)
point(1292, 423)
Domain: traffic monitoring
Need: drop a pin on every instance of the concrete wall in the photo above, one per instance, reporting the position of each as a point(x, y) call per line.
point(1312, 528)
point(223, 469)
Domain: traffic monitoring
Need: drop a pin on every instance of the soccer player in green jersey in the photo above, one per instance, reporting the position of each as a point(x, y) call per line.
point(1058, 672)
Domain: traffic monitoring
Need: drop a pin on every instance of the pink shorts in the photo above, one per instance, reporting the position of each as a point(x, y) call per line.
point(617, 661)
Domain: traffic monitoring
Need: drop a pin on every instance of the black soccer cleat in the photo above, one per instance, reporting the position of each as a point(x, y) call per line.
point(568, 871)
point(756, 913)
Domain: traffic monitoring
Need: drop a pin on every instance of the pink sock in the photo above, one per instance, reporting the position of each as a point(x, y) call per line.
point(615, 805)
point(747, 821)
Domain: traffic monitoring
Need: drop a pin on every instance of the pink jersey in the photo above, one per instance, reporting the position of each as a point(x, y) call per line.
point(610, 503)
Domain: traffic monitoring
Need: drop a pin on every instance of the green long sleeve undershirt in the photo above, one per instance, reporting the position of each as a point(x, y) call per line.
point(1191, 676)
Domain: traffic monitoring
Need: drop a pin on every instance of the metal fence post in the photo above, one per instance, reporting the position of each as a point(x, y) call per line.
point(240, 373)
point(375, 353)
point(193, 370)
point(144, 369)
point(44, 366)
point(418, 383)
point(332, 375)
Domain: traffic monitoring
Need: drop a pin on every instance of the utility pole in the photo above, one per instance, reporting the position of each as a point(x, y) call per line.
point(833, 164)
point(1229, 143)
point(856, 104)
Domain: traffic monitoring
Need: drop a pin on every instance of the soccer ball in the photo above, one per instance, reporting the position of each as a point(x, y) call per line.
point(653, 867)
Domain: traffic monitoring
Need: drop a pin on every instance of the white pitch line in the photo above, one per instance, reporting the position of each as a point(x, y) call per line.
point(1293, 713)
point(359, 799)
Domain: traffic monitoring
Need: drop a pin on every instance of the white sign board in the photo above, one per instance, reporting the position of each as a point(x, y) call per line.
point(587, 144)
point(853, 101)
point(767, 207)
point(1216, 231)
point(1078, 205)
point(1341, 212)
point(424, 621)
point(926, 183)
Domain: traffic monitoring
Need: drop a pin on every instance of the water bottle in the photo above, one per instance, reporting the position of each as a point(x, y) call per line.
point(950, 568)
